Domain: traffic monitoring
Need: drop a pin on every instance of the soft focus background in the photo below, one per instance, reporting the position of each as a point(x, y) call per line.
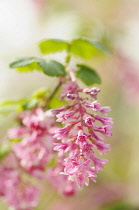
point(23, 23)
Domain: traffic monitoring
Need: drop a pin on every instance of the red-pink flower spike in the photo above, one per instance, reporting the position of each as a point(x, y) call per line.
point(78, 138)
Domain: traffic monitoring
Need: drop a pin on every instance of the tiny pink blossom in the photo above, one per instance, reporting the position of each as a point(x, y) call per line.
point(62, 133)
point(68, 89)
point(89, 121)
point(64, 116)
point(98, 163)
point(71, 96)
point(105, 109)
point(81, 139)
point(94, 105)
point(61, 148)
point(104, 120)
point(57, 111)
point(102, 148)
point(93, 92)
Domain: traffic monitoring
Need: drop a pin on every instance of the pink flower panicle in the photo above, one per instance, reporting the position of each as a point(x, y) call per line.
point(34, 151)
point(80, 135)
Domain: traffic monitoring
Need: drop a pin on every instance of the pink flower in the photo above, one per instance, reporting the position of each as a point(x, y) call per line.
point(32, 157)
point(68, 89)
point(71, 96)
point(64, 116)
point(78, 138)
point(81, 139)
point(62, 133)
point(79, 170)
point(89, 121)
point(105, 130)
point(104, 120)
point(94, 105)
point(98, 108)
point(102, 148)
point(61, 182)
point(98, 163)
point(105, 109)
point(61, 148)
point(57, 111)
point(95, 136)
point(92, 92)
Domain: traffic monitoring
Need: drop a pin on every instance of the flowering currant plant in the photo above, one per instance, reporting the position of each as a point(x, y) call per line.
point(57, 133)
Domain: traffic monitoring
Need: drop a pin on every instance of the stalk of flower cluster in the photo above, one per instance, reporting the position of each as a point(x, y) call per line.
point(79, 136)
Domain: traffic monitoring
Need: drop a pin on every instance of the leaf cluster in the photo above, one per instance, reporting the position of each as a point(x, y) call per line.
point(81, 47)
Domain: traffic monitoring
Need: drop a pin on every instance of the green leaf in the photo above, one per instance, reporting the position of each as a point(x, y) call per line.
point(26, 64)
point(100, 46)
point(52, 46)
point(87, 75)
point(85, 48)
point(4, 150)
point(42, 92)
point(10, 106)
point(49, 67)
point(53, 68)
point(30, 104)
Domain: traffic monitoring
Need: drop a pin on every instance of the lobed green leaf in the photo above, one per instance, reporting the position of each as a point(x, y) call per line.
point(86, 48)
point(26, 64)
point(49, 67)
point(87, 75)
point(53, 68)
point(52, 46)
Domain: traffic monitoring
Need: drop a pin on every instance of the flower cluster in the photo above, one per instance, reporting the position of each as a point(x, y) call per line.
point(35, 147)
point(77, 140)
point(32, 153)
